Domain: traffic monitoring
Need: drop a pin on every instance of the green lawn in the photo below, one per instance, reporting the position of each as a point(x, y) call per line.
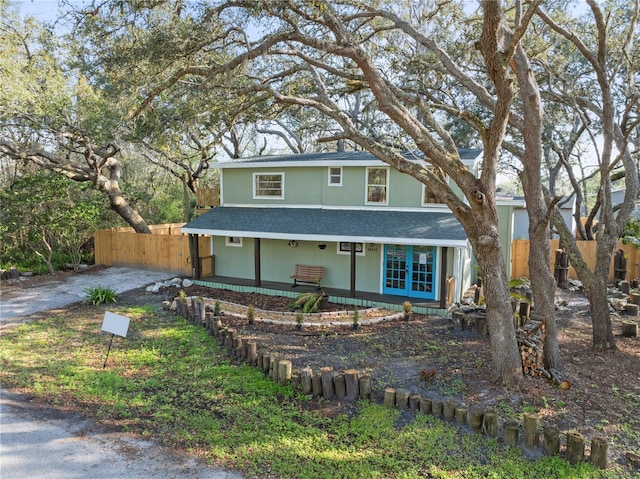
point(169, 380)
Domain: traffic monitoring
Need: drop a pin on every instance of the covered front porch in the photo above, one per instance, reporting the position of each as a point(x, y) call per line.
point(362, 299)
point(368, 257)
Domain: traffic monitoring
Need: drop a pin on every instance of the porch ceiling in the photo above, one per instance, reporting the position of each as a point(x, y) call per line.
point(317, 224)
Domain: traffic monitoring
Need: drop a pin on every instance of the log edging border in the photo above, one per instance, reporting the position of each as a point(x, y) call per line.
point(351, 386)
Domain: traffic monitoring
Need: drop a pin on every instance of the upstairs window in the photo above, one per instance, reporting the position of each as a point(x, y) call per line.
point(427, 196)
point(335, 176)
point(268, 186)
point(377, 185)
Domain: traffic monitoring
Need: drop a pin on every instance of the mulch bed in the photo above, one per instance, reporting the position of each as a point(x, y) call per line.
point(605, 386)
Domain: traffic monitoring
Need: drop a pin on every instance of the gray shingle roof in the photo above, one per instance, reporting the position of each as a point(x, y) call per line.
point(465, 154)
point(401, 227)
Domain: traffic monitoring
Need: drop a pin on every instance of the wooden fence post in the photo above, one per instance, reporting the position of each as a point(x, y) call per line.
point(390, 397)
point(511, 433)
point(364, 384)
point(552, 440)
point(531, 426)
point(328, 390)
point(402, 398)
point(599, 452)
point(305, 378)
point(352, 384)
point(575, 448)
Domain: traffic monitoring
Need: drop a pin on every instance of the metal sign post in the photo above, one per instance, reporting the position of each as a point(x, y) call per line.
point(114, 324)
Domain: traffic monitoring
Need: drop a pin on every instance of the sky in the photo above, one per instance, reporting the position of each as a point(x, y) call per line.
point(43, 10)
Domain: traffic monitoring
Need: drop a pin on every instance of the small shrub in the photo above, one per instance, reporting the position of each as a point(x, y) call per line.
point(216, 309)
point(408, 309)
point(356, 318)
point(251, 313)
point(299, 320)
point(99, 295)
point(307, 302)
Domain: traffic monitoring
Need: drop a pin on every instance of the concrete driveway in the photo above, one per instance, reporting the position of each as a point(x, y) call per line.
point(56, 294)
point(43, 443)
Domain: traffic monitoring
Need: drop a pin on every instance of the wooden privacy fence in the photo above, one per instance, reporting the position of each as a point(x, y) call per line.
point(166, 249)
point(520, 258)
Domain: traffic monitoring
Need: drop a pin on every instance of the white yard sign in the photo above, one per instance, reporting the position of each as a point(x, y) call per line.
point(115, 324)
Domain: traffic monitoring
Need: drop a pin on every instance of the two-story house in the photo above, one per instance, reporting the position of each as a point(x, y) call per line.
point(372, 228)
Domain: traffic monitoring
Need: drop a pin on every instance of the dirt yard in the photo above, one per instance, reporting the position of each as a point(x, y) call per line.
point(604, 398)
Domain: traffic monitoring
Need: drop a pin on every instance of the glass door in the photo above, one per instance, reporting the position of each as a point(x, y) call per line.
point(410, 271)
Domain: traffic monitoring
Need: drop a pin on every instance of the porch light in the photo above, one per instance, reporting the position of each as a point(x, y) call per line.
point(293, 243)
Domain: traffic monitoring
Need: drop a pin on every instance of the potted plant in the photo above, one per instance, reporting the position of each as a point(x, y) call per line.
point(408, 309)
point(299, 320)
point(356, 318)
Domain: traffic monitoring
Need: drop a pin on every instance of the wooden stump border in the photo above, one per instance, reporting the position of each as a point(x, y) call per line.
point(351, 385)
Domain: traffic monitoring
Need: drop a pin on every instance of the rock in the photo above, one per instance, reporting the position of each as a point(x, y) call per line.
point(575, 284)
point(615, 293)
point(187, 282)
point(166, 305)
point(156, 288)
point(618, 304)
point(173, 282)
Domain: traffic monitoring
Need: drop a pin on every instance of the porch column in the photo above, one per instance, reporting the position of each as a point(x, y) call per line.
point(443, 278)
point(352, 286)
point(194, 249)
point(256, 261)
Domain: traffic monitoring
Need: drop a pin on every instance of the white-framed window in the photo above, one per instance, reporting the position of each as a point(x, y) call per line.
point(345, 248)
point(233, 241)
point(335, 176)
point(268, 186)
point(427, 197)
point(377, 186)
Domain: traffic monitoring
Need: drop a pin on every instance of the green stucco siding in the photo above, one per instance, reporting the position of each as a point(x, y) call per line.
point(233, 261)
point(310, 186)
point(350, 193)
point(278, 261)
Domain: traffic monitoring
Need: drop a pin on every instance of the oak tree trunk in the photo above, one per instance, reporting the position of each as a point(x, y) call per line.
point(600, 315)
point(110, 186)
point(504, 347)
point(543, 283)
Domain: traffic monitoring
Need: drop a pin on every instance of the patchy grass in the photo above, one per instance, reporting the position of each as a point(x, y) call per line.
point(168, 380)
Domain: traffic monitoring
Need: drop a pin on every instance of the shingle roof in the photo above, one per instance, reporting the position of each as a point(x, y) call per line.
point(349, 156)
point(399, 227)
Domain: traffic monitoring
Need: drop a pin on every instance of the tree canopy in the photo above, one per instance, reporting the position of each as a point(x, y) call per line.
point(178, 85)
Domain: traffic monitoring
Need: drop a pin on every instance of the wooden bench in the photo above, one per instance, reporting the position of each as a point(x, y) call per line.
point(307, 274)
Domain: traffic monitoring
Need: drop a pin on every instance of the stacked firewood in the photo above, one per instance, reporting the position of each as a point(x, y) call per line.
point(531, 342)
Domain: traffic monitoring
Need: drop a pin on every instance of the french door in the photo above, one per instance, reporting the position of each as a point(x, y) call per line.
point(410, 271)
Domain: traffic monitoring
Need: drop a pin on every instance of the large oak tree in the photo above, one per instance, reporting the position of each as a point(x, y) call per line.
point(316, 56)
